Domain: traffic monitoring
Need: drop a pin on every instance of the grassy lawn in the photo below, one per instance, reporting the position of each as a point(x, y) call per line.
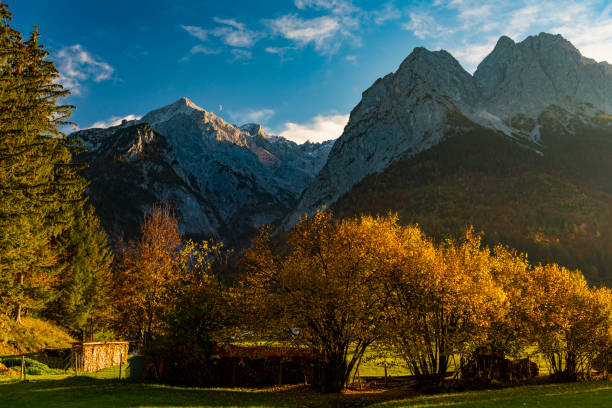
point(89, 392)
point(584, 394)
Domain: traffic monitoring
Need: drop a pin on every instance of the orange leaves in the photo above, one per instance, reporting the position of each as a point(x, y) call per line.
point(145, 270)
point(369, 278)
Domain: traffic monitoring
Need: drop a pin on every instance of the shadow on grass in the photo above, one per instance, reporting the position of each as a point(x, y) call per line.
point(582, 394)
point(92, 393)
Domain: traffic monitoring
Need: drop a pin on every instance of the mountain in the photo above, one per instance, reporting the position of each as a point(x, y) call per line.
point(223, 180)
point(522, 150)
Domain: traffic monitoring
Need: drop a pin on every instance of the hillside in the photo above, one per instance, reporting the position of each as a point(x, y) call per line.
point(30, 336)
point(556, 206)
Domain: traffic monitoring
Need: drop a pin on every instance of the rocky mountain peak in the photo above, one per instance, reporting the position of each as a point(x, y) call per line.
point(183, 106)
point(254, 129)
point(543, 70)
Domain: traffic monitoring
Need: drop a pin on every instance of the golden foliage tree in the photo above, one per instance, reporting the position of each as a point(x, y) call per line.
point(511, 332)
point(145, 271)
point(324, 286)
point(572, 323)
point(441, 301)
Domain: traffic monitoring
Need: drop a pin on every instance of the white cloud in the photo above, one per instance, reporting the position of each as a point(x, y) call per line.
point(199, 49)
point(351, 58)
point(318, 129)
point(77, 66)
point(114, 121)
point(340, 22)
point(230, 32)
point(279, 50)
point(335, 6)
point(424, 26)
point(234, 34)
point(473, 54)
point(593, 37)
point(388, 13)
point(261, 116)
point(196, 32)
point(230, 22)
point(315, 30)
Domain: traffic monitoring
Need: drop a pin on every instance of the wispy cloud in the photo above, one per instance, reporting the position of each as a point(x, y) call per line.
point(339, 23)
point(234, 34)
point(325, 25)
point(261, 116)
point(424, 26)
point(319, 30)
point(201, 49)
point(238, 54)
point(114, 121)
point(318, 129)
point(229, 34)
point(196, 32)
point(389, 12)
point(77, 66)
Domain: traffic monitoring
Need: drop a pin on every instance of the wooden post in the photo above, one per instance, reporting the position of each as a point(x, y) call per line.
point(120, 363)
point(22, 375)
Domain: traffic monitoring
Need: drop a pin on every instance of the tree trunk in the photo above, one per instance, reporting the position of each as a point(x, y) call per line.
point(18, 314)
point(333, 374)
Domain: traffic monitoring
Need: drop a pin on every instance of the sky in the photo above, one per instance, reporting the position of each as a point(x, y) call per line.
point(298, 67)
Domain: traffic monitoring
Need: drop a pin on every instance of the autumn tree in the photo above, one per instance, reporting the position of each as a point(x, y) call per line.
point(323, 289)
point(572, 322)
point(38, 181)
point(200, 314)
point(511, 332)
point(441, 299)
point(145, 271)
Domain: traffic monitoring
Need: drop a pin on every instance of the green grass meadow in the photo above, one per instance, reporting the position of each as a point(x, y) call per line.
point(85, 391)
point(104, 389)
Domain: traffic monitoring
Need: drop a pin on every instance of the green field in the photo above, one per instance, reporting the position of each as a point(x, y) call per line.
point(58, 391)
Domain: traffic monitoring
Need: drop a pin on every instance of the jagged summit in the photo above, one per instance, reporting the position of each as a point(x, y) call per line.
point(183, 106)
point(543, 70)
point(188, 102)
point(254, 129)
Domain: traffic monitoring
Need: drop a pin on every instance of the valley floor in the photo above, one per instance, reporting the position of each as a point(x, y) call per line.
point(67, 392)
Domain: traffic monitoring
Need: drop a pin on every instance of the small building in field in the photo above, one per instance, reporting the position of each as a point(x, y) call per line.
point(94, 356)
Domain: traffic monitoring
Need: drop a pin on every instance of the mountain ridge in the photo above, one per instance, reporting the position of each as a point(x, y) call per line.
point(430, 85)
point(232, 179)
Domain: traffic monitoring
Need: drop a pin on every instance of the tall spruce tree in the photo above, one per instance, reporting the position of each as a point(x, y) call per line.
point(85, 284)
point(39, 183)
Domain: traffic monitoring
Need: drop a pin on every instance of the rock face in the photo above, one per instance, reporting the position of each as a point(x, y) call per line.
point(538, 72)
point(404, 111)
point(223, 180)
point(415, 108)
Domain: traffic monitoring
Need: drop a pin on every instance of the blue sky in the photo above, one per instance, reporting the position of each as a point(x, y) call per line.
point(296, 66)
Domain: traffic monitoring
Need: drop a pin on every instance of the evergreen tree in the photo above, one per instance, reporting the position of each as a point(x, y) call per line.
point(83, 293)
point(39, 183)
